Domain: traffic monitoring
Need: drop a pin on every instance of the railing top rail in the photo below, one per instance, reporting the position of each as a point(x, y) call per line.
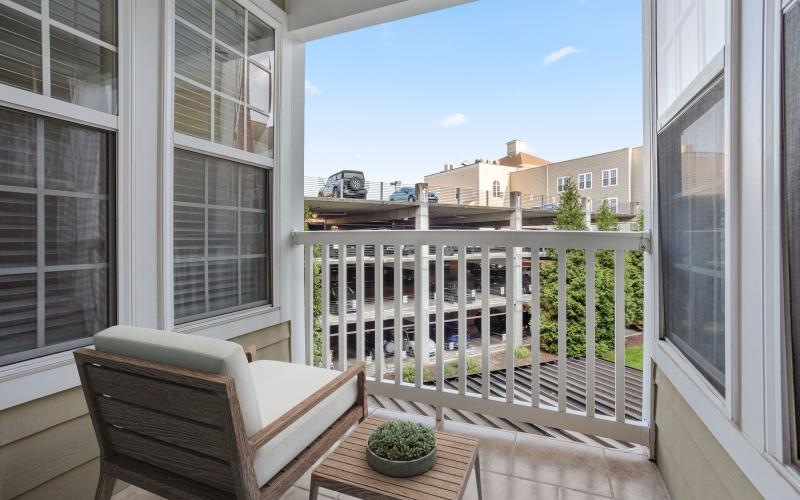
point(594, 240)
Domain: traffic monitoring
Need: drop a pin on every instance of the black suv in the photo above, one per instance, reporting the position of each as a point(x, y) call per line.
point(345, 184)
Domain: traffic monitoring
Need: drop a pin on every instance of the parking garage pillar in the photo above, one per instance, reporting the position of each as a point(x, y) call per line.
point(421, 286)
point(516, 290)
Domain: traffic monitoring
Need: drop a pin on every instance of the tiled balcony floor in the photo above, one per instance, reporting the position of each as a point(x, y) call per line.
point(522, 466)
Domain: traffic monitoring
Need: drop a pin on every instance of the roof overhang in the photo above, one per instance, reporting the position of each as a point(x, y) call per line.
point(312, 19)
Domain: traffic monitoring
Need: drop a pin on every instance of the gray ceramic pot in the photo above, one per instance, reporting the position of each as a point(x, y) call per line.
point(401, 469)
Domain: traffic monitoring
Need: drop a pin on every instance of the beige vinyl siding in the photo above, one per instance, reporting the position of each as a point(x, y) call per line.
point(595, 164)
point(48, 448)
point(692, 462)
point(637, 176)
point(532, 183)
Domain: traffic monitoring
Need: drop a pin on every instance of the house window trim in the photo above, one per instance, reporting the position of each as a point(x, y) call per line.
point(258, 314)
point(496, 189)
point(615, 208)
point(585, 180)
point(616, 177)
point(560, 183)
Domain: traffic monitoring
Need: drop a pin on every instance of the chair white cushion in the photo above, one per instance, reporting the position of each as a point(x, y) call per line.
point(214, 356)
point(281, 386)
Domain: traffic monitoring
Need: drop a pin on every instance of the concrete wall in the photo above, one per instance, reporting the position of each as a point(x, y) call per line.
point(48, 448)
point(692, 463)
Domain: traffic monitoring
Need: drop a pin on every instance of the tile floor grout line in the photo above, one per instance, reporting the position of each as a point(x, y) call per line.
point(608, 474)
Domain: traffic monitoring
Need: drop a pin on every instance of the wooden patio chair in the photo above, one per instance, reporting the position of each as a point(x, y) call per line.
point(187, 417)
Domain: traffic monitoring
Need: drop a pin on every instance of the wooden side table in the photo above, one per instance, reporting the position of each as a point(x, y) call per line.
point(346, 470)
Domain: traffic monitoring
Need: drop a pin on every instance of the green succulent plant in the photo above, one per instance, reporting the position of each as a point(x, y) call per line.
point(401, 441)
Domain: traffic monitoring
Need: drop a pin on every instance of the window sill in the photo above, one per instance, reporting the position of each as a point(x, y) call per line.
point(37, 378)
point(234, 324)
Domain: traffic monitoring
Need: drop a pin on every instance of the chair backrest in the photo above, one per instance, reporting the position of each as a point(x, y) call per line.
point(207, 355)
point(172, 430)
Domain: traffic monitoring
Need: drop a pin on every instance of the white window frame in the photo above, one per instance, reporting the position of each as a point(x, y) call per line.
point(584, 181)
point(497, 191)
point(613, 203)
point(560, 183)
point(613, 173)
point(39, 377)
point(232, 324)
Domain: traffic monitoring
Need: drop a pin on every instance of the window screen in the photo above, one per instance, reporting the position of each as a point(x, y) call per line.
point(791, 165)
point(221, 236)
point(691, 193)
point(56, 235)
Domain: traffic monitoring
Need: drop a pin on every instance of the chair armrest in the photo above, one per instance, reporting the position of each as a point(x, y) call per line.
point(358, 370)
point(250, 353)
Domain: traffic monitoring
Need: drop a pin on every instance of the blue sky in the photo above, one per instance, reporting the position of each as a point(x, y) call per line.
point(400, 100)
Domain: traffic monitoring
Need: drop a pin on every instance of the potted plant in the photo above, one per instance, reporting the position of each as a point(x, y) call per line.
point(401, 449)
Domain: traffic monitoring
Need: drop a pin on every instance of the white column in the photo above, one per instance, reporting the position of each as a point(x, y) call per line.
point(515, 224)
point(421, 282)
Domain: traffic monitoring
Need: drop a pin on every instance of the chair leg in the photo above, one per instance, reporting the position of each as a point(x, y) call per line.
point(105, 486)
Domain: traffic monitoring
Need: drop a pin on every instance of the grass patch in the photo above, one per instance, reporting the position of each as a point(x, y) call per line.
point(634, 357)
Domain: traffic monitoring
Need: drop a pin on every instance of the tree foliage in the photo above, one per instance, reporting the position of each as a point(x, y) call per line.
point(606, 220)
point(569, 216)
point(317, 296)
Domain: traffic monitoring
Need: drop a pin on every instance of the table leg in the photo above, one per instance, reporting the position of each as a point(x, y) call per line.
point(478, 474)
point(314, 491)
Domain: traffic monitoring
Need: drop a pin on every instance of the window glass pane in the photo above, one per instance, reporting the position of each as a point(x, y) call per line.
point(82, 73)
point(197, 12)
point(228, 122)
point(691, 168)
point(791, 186)
point(189, 284)
point(254, 237)
point(17, 230)
point(222, 183)
point(34, 5)
point(223, 284)
point(17, 149)
point(97, 18)
point(222, 232)
point(225, 225)
point(20, 50)
point(189, 232)
point(259, 88)
point(260, 133)
point(260, 42)
point(192, 110)
point(189, 177)
point(254, 187)
point(192, 54)
point(17, 313)
point(75, 158)
point(78, 230)
point(76, 302)
point(254, 281)
point(230, 24)
point(75, 230)
point(229, 73)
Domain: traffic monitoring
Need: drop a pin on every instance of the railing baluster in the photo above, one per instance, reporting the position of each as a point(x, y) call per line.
point(485, 321)
point(535, 326)
point(590, 331)
point(360, 302)
point(308, 294)
point(439, 322)
point(462, 319)
point(422, 319)
point(562, 329)
point(619, 333)
point(343, 299)
point(398, 314)
point(378, 334)
point(510, 321)
point(326, 304)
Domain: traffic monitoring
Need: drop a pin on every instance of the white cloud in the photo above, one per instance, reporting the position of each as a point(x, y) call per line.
point(311, 89)
point(560, 54)
point(453, 120)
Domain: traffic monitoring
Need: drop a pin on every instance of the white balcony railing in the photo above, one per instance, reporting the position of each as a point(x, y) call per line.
point(403, 306)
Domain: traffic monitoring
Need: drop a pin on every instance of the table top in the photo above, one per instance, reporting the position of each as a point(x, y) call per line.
point(346, 470)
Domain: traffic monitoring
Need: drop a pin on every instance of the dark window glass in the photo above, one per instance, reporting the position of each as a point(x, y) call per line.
point(791, 184)
point(221, 236)
point(691, 193)
point(55, 237)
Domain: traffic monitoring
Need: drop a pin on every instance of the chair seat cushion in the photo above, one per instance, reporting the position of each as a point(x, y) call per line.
point(279, 387)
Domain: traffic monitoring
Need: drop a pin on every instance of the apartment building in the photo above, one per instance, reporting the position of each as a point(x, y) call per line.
point(615, 176)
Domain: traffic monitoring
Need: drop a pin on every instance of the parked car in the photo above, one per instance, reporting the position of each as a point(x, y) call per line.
point(408, 193)
point(350, 306)
point(369, 346)
point(410, 343)
point(451, 336)
point(345, 184)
